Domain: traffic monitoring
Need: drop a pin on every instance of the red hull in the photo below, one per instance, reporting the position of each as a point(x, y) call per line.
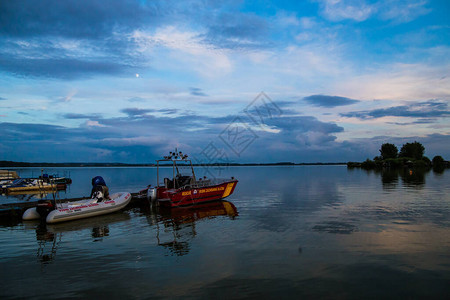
point(190, 196)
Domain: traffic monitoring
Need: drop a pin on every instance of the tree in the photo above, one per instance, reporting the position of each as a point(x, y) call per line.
point(438, 161)
point(413, 150)
point(388, 151)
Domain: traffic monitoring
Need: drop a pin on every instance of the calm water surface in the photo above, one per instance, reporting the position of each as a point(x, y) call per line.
point(286, 232)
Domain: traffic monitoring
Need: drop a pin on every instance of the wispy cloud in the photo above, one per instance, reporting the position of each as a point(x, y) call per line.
point(426, 109)
point(337, 10)
point(402, 11)
point(74, 116)
point(184, 48)
point(136, 112)
point(58, 67)
point(197, 92)
point(396, 11)
point(329, 101)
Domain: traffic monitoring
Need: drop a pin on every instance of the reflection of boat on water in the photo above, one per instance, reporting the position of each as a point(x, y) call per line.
point(185, 188)
point(182, 221)
point(49, 236)
point(46, 239)
point(54, 212)
point(190, 214)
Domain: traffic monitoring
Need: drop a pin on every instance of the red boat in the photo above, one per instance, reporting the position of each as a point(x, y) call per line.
point(187, 189)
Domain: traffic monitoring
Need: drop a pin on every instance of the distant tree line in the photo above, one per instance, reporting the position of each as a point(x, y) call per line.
point(410, 155)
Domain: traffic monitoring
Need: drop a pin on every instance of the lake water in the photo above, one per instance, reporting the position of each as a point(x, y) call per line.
point(286, 232)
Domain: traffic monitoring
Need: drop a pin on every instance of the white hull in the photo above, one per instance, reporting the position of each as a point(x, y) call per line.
point(81, 209)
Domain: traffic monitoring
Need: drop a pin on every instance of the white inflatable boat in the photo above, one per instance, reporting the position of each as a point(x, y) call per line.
point(77, 210)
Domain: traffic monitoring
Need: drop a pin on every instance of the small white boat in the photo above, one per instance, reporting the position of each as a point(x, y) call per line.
point(77, 210)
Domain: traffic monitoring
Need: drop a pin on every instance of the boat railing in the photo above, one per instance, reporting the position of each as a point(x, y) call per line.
point(208, 182)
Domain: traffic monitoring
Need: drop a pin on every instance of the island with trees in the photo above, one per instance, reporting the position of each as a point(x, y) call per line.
point(411, 155)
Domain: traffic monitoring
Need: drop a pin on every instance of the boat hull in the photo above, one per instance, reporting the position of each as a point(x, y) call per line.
point(192, 196)
point(82, 209)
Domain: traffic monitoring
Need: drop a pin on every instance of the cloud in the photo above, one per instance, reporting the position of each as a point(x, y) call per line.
point(92, 19)
point(139, 130)
point(303, 124)
point(388, 10)
point(183, 49)
point(136, 112)
point(168, 111)
point(136, 99)
point(74, 116)
point(90, 123)
point(337, 10)
point(140, 112)
point(402, 81)
point(418, 121)
point(69, 96)
point(1, 98)
point(329, 101)
point(71, 40)
point(58, 67)
point(237, 30)
point(197, 92)
point(402, 11)
point(428, 109)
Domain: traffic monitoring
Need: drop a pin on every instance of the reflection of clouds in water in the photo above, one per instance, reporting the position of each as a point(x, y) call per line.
point(335, 227)
point(279, 199)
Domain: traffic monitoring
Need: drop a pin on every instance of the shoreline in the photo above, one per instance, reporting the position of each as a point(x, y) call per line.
point(10, 164)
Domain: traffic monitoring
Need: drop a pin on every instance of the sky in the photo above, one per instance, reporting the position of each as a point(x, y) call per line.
point(224, 81)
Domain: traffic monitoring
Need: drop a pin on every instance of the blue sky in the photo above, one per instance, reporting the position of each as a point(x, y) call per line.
point(127, 81)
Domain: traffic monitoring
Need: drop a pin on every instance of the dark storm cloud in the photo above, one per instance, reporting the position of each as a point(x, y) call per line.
point(428, 109)
point(329, 101)
point(73, 18)
point(34, 34)
point(143, 137)
point(29, 132)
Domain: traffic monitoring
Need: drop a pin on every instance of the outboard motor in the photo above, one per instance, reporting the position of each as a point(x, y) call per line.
point(44, 207)
point(99, 189)
point(98, 180)
point(151, 194)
